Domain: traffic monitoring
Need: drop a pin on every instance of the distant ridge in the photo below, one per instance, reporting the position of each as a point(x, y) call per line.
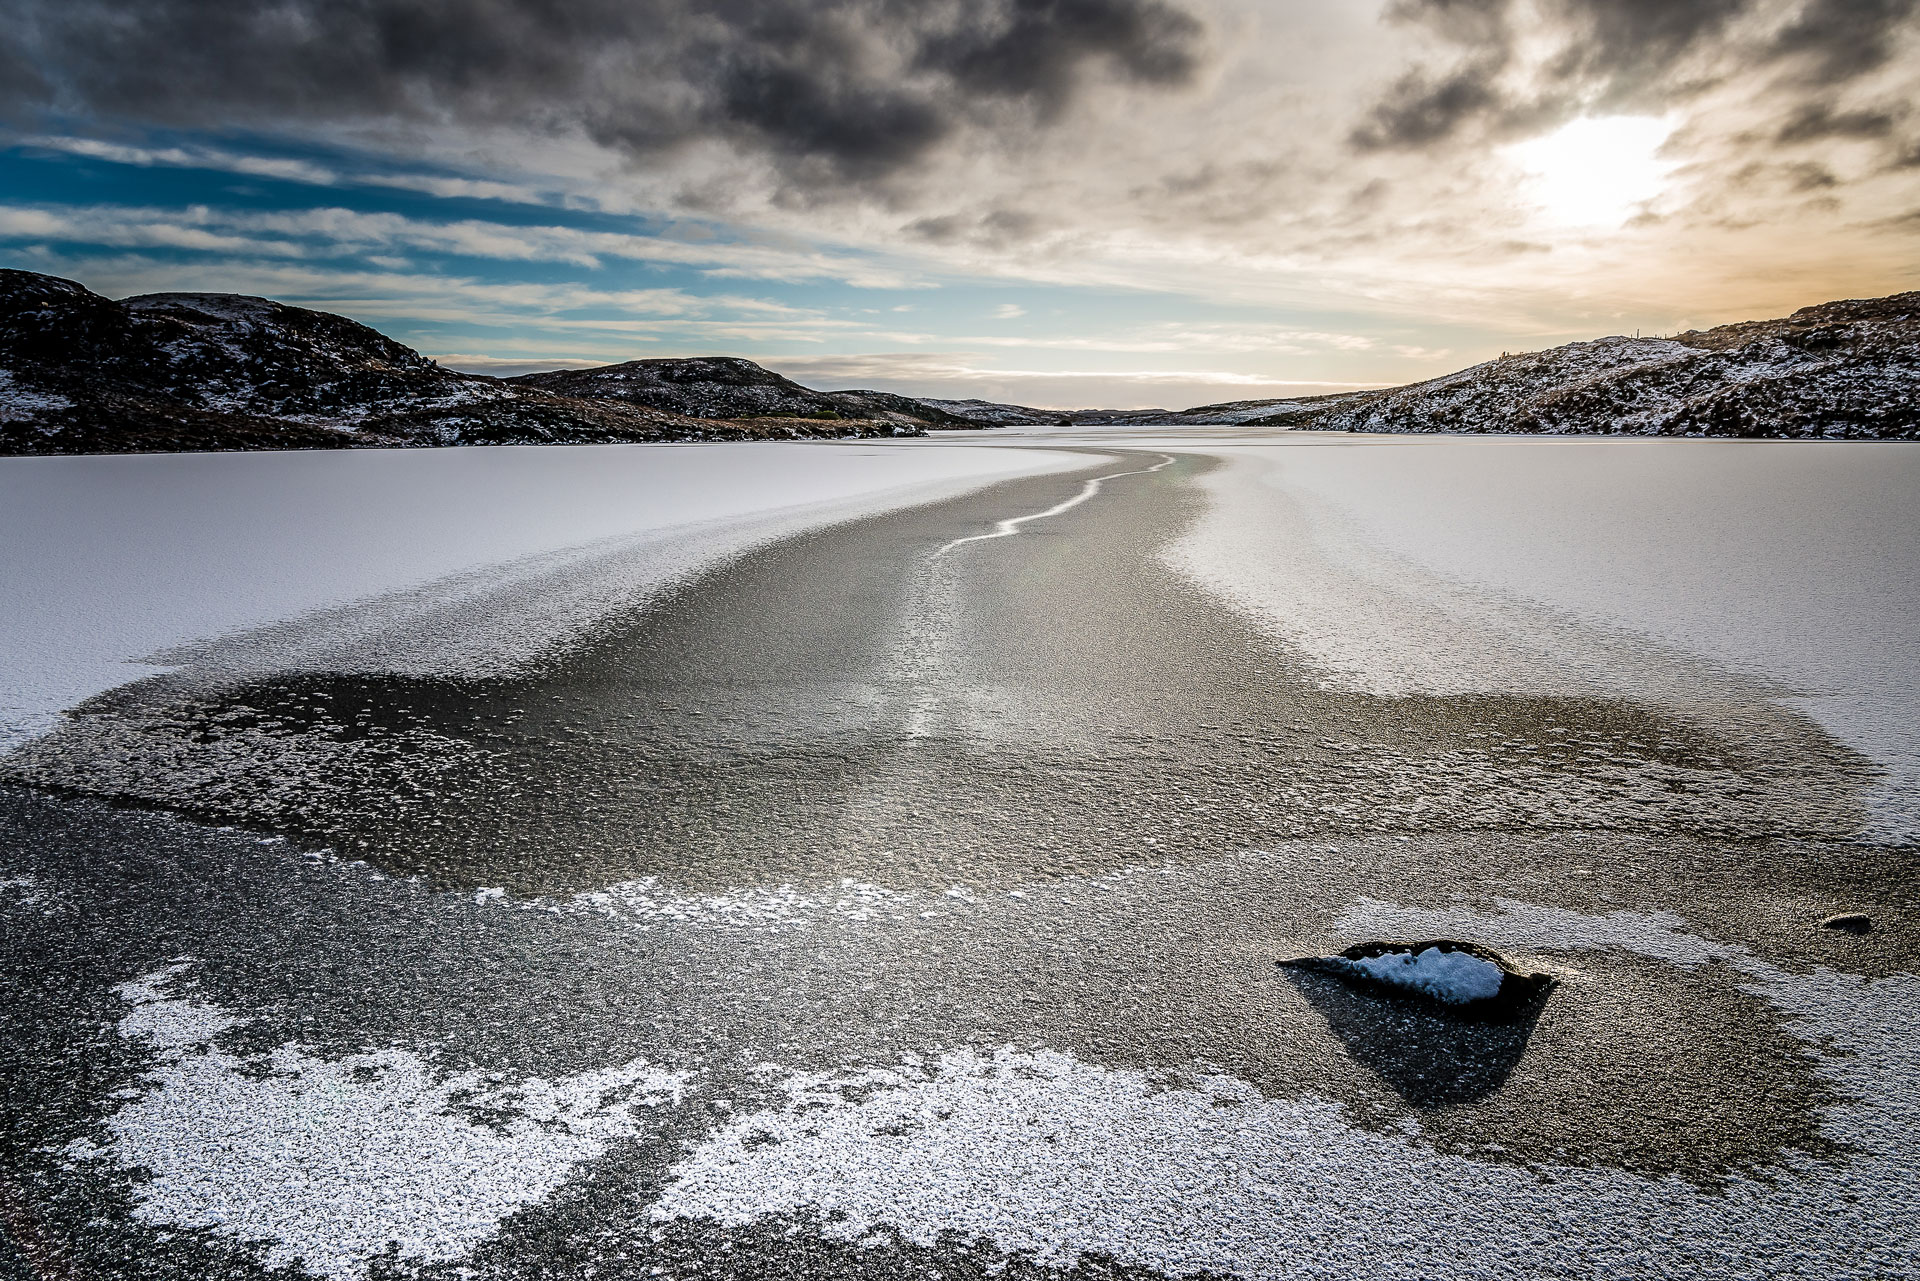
point(83, 374)
point(730, 387)
point(80, 373)
point(1837, 371)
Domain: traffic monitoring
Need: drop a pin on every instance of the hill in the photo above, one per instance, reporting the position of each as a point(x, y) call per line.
point(1840, 370)
point(730, 387)
point(80, 373)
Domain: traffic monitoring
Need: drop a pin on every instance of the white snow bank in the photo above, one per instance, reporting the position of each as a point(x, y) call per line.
point(112, 559)
point(1453, 977)
point(329, 1162)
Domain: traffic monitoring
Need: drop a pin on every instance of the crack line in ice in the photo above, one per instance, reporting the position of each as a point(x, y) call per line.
point(1011, 526)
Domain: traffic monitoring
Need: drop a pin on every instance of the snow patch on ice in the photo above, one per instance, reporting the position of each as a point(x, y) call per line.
point(1044, 1154)
point(648, 901)
point(1662, 936)
point(1664, 571)
point(329, 1163)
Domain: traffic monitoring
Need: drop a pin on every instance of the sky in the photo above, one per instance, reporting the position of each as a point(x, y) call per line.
point(1087, 203)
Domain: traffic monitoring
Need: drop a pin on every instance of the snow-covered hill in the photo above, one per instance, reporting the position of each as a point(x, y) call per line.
point(885, 406)
point(987, 413)
point(1842, 370)
point(696, 387)
point(80, 373)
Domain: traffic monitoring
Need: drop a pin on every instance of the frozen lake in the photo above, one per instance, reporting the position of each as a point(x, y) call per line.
point(873, 860)
point(1462, 561)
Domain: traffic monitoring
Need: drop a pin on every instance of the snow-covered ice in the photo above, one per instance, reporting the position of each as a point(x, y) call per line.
point(110, 561)
point(331, 1162)
point(1627, 567)
point(1043, 1153)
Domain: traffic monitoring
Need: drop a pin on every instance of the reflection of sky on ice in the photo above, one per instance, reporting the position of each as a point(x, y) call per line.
point(1452, 565)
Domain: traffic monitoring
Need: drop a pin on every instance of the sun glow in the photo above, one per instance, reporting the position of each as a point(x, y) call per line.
point(1595, 172)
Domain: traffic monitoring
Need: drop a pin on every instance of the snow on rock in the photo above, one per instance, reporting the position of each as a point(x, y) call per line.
point(1453, 978)
point(22, 892)
point(1443, 970)
point(329, 1163)
point(20, 402)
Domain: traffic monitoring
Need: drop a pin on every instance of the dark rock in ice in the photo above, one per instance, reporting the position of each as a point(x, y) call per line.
point(1445, 971)
point(1440, 1021)
point(1849, 923)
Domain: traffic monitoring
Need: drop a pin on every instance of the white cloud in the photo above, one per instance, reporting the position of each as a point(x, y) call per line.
point(962, 376)
point(291, 170)
point(334, 231)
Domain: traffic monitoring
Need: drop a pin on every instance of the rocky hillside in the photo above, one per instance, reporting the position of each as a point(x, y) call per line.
point(729, 387)
point(1842, 370)
point(986, 413)
point(884, 406)
point(700, 387)
point(1231, 413)
point(80, 373)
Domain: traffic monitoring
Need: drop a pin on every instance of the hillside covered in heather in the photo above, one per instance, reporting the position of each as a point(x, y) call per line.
point(82, 374)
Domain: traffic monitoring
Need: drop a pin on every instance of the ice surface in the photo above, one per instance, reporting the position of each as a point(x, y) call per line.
point(111, 560)
point(1452, 565)
point(646, 902)
point(329, 1161)
point(1044, 1153)
point(1453, 977)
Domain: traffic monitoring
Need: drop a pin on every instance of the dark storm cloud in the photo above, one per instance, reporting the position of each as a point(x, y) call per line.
point(1609, 54)
point(1422, 108)
point(1840, 39)
point(1614, 52)
point(1627, 44)
point(993, 229)
point(834, 89)
point(1816, 121)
